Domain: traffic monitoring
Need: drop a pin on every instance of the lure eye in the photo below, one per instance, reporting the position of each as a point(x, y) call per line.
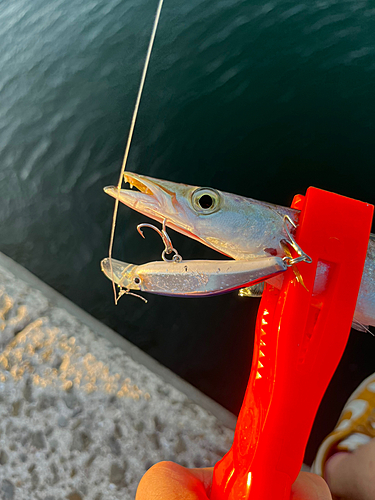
point(205, 200)
point(137, 280)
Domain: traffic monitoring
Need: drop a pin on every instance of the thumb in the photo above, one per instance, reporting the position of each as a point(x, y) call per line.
point(310, 486)
point(170, 481)
point(352, 475)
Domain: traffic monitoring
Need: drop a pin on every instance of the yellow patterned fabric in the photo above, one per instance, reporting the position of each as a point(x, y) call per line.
point(356, 425)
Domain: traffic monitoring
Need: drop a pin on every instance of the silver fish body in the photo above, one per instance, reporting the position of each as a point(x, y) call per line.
point(192, 278)
point(239, 227)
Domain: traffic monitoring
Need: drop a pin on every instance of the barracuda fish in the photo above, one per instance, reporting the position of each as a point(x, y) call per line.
point(239, 227)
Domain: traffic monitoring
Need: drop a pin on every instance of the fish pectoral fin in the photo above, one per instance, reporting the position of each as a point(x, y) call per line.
point(252, 291)
point(298, 276)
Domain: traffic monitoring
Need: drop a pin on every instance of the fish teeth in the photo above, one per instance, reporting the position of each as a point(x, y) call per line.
point(128, 181)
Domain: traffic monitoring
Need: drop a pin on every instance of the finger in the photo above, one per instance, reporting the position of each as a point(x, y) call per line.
point(309, 486)
point(352, 475)
point(338, 474)
point(204, 475)
point(170, 481)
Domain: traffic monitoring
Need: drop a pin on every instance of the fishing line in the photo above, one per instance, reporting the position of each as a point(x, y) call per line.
point(130, 136)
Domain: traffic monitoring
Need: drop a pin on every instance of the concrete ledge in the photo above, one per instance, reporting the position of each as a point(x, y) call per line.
point(58, 300)
point(83, 412)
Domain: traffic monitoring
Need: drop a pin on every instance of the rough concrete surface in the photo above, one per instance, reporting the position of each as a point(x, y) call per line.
point(79, 418)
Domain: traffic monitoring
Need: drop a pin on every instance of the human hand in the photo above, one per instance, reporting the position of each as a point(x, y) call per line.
point(352, 475)
point(170, 481)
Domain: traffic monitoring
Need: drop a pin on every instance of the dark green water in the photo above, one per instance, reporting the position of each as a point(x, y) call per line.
point(259, 99)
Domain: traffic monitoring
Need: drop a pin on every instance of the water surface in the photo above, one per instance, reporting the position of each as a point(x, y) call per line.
point(259, 99)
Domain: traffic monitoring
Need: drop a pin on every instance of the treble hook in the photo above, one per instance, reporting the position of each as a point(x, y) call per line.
point(302, 256)
point(126, 291)
point(169, 248)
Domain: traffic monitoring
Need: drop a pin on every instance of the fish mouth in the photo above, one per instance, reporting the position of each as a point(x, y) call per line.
point(160, 200)
point(149, 197)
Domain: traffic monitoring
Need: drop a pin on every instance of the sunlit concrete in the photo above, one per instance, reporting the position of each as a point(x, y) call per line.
point(83, 413)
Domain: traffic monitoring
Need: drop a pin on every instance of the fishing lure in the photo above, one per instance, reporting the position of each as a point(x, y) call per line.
point(192, 278)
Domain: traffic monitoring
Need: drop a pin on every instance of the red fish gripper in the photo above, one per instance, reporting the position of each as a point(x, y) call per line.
point(299, 340)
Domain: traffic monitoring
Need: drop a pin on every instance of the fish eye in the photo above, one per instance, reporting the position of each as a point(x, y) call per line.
point(205, 200)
